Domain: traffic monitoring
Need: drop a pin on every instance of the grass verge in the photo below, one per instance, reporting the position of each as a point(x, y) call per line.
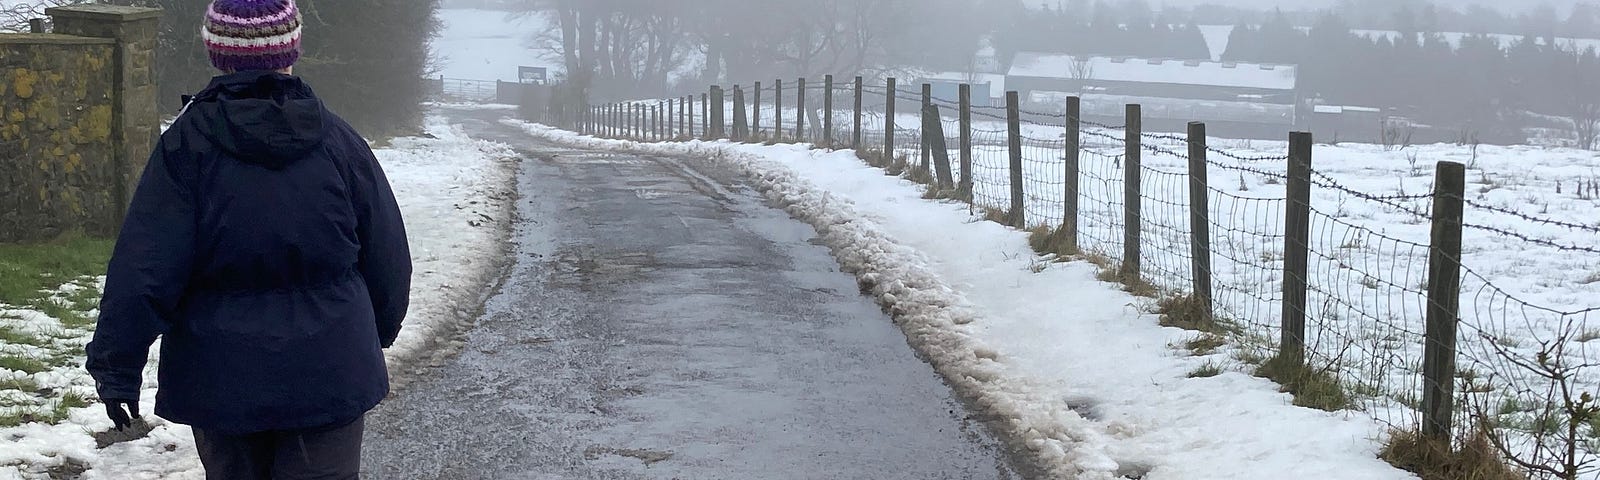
point(31, 278)
point(1311, 387)
point(25, 270)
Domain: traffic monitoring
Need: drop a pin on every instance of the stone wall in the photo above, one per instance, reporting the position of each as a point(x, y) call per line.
point(77, 121)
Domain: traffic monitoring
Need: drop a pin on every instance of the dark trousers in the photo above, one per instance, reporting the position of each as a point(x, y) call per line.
point(328, 453)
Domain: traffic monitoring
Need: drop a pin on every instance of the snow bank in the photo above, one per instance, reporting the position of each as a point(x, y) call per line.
point(1088, 384)
point(456, 195)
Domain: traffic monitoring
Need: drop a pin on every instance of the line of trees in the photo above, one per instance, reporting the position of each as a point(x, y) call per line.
point(1130, 29)
point(633, 48)
point(1477, 86)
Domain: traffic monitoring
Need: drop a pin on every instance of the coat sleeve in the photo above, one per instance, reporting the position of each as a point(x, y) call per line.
point(149, 271)
point(385, 253)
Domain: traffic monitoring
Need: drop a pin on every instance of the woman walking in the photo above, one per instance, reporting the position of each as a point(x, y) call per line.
point(265, 248)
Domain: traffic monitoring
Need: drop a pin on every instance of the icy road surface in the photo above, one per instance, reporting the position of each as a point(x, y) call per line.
point(661, 322)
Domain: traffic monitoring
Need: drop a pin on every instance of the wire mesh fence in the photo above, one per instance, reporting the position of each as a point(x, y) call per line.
point(1368, 314)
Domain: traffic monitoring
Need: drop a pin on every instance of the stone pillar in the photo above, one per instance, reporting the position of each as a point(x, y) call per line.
point(136, 124)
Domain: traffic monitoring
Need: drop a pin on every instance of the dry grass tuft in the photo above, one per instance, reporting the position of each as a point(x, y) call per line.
point(1476, 459)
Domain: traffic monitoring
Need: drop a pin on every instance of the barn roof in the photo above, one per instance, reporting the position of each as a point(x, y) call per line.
point(1176, 72)
point(997, 82)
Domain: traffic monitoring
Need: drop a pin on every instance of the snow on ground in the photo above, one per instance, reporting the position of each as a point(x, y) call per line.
point(490, 44)
point(1087, 380)
point(455, 194)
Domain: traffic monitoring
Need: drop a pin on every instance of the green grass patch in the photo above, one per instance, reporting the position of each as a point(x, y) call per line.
point(64, 406)
point(21, 416)
point(1311, 387)
point(10, 335)
point(22, 364)
point(21, 384)
point(1207, 370)
point(28, 269)
point(1474, 459)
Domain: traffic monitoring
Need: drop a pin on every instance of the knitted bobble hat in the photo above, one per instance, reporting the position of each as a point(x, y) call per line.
point(246, 35)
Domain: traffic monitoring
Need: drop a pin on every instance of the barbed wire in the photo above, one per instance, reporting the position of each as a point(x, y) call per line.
point(1531, 218)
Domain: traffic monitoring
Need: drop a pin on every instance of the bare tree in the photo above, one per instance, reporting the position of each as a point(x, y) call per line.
point(614, 46)
point(1585, 112)
point(1082, 68)
point(15, 18)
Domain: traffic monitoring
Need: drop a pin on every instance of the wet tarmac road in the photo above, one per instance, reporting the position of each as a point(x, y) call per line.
point(662, 322)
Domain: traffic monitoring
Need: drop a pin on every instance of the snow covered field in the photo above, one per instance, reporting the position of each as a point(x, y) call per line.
point(1520, 297)
point(455, 193)
point(1074, 365)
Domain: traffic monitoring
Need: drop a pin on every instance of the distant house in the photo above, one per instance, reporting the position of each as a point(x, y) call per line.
point(1263, 97)
point(988, 89)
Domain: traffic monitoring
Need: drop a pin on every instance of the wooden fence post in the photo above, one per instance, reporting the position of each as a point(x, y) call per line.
point(671, 120)
point(1017, 217)
point(1072, 179)
point(1200, 219)
point(927, 142)
point(1444, 301)
point(933, 131)
point(965, 190)
point(800, 111)
point(741, 125)
point(661, 122)
point(855, 137)
point(705, 116)
point(1296, 250)
point(755, 122)
point(777, 110)
point(1132, 211)
point(719, 110)
point(827, 111)
point(888, 125)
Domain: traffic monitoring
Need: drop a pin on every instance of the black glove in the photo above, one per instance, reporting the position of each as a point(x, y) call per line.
point(121, 417)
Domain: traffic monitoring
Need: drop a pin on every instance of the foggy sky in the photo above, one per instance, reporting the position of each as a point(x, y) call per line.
point(1514, 6)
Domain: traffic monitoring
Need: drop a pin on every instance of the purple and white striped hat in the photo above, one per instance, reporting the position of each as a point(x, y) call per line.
point(246, 35)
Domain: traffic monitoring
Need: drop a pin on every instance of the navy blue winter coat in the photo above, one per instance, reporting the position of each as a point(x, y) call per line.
point(265, 248)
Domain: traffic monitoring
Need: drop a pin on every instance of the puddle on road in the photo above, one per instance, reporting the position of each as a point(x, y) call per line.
point(583, 267)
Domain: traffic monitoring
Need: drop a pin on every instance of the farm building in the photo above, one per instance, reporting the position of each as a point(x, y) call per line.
point(1233, 98)
point(988, 89)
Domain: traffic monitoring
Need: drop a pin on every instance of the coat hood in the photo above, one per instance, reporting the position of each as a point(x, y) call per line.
point(266, 118)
